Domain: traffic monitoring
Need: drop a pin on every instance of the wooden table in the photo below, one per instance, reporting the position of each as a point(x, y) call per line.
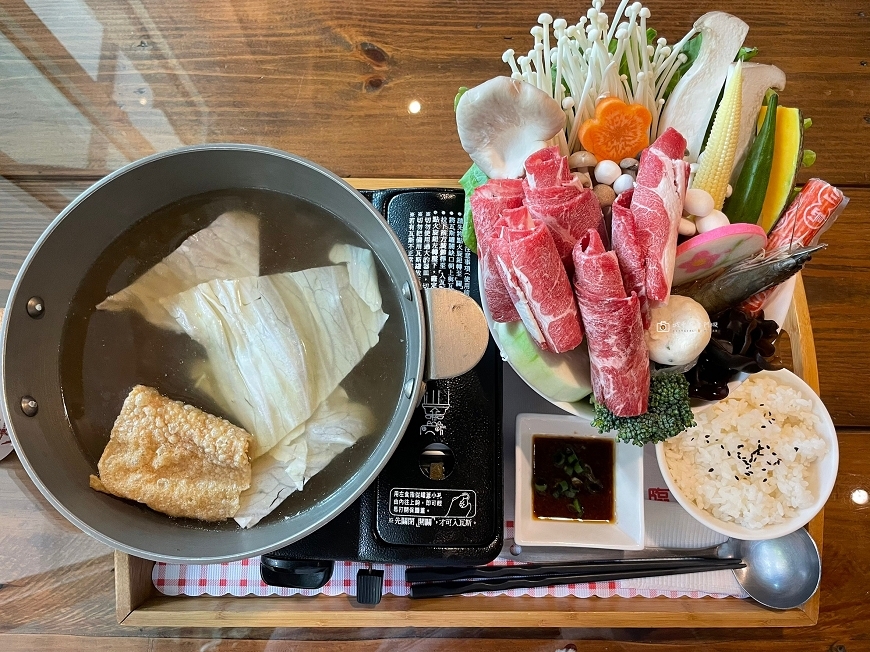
point(87, 85)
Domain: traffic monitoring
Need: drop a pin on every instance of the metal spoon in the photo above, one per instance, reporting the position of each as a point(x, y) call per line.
point(780, 573)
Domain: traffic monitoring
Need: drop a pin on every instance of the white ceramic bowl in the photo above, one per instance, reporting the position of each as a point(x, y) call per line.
point(625, 532)
point(821, 482)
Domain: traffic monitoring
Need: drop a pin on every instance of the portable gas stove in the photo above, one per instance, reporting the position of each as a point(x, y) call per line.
point(439, 499)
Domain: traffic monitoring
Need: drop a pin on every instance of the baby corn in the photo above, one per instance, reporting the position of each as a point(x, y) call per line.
point(714, 165)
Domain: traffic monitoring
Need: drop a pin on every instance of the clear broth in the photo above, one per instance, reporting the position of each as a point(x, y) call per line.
point(104, 354)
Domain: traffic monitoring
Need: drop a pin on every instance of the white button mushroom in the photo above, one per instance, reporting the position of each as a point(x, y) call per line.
point(698, 202)
point(623, 182)
point(607, 172)
point(712, 221)
point(678, 332)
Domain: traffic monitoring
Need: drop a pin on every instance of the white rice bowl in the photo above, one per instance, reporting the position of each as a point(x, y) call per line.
point(724, 471)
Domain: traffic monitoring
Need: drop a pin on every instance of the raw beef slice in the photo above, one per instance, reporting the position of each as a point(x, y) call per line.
point(487, 204)
point(532, 270)
point(553, 196)
point(614, 330)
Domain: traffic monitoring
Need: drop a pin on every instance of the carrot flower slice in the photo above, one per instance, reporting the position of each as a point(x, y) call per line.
point(617, 131)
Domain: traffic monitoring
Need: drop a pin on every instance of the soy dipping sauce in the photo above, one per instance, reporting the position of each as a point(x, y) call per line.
point(572, 478)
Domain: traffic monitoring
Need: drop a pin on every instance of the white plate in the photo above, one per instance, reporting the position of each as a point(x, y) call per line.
point(821, 482)
point(776, 308)
point(626, 532)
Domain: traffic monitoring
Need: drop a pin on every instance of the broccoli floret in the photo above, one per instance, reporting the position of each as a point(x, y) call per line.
point(668, 413)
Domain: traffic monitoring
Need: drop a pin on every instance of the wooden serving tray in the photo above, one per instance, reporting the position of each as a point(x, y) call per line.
point(139, 604)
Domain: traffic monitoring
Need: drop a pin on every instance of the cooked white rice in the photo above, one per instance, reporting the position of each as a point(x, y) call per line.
point(750, 459)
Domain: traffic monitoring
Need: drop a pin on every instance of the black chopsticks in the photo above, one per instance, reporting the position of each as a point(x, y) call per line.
point(438, 582)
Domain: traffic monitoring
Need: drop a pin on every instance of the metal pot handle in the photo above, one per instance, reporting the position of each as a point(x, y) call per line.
point(456, 333)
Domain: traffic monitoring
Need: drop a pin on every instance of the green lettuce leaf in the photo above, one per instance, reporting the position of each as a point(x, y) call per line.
point(472, 179)
point(691, 50)
point(745, 53)
point(459, 95)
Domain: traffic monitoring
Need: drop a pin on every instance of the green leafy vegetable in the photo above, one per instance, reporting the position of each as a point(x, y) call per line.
point(459, 95)
point(691, 50)
point(809, 158)
point(745, 53)
point(472, 179)
point(668, 413)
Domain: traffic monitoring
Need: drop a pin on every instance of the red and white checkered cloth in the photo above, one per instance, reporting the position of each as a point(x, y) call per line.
point(242, 578)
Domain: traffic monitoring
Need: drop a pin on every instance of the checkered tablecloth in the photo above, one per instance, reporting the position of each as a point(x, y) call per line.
point(242, 578)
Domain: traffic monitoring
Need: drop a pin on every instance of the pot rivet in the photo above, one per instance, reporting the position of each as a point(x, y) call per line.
point(29, 406)
point(409, 388)
point(406, 291)
point(35, 307)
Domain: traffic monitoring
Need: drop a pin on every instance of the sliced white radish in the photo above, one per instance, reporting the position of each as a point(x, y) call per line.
point(707, 252)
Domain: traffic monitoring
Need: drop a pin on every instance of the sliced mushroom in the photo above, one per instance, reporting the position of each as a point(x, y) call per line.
point(503, 121)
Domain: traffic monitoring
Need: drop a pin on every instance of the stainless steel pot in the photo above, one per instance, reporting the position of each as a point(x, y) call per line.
point(49, 446)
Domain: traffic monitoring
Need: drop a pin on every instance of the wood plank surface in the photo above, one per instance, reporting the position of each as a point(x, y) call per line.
point(87, 85)
point(334, 86)
point(72, 591)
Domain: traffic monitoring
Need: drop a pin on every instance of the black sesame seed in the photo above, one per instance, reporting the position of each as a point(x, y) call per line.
point(729, 453)
point(736, 478)
point(739, 445)
point(796, 448)
point(765, 480)
point(710, 471)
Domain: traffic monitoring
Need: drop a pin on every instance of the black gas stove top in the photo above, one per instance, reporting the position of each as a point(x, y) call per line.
point(439, 498)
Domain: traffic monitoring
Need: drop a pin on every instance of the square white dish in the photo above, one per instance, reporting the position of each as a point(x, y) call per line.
point(625, 532)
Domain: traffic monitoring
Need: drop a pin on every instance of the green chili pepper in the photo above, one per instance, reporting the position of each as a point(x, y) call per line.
point(747, 196)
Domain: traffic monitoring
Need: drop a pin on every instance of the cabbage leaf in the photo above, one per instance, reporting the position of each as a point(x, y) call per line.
point(228, 248)
point(279, 345)
point(336, 424)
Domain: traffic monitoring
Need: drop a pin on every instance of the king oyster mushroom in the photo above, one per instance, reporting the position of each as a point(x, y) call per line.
point(693, 100)
point(503, 121)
